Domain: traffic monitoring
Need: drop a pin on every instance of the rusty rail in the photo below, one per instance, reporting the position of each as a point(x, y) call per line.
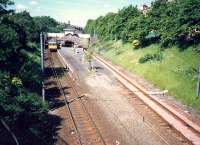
point(186, 127)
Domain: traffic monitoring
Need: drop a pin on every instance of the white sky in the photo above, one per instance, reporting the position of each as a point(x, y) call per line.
point(77, 11)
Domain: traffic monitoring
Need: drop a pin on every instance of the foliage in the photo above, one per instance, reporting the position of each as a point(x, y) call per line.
point(16, 82)
point(30, 74)
point(9, 39)
point(3, 7)
point(197, 49)
point(136, 44)
point(21, 105)
point(177, 72)
point(25, 21)
point(173, 23)
point(47, 24)
point(150, 57)
point(88, 55)
point(32, 46)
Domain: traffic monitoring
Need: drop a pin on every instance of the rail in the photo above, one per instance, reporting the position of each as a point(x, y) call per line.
point(65, 98)
point(186, 127)
point(68, 102)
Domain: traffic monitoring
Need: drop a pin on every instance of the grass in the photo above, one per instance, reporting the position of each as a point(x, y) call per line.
point(177, 72)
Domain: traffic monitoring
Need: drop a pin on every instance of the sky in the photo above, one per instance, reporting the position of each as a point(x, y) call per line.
point(75, 11)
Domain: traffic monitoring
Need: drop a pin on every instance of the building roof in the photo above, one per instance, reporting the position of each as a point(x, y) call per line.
point(84, 36)
point(52, 42)
point(71, 38)
point(59, 35)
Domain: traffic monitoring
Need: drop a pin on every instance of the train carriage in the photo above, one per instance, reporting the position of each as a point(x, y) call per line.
point(52, 46)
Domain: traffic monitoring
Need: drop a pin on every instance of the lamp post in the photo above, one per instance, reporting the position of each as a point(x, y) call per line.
point(42, 64)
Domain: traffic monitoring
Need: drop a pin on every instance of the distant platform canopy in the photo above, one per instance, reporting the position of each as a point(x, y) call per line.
point(70, 38)
point(55, 35)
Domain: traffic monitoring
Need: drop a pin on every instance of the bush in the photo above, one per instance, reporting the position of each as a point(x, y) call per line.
point(136, 44)
point(30, 73)
point(32, 46)
point(88, 55)
point(197, 49)
point(150, 57)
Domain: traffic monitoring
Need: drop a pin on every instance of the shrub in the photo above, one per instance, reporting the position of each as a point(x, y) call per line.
point(17, 82)
point(136, 44)
point(32, 46)
point(88, 55)
point(197, 49)
point(30, 75)
point(150, 57)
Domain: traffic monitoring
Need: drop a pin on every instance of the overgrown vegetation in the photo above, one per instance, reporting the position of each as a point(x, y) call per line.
point(145, 36)
point(150, 57)
point(168, 22)
point(176, 72)
point(21, 107)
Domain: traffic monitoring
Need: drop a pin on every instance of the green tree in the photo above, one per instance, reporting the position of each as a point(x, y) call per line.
point(45, 24)
point(174, 22)
point(26, 22)
point(3, 7)
point(21, 106)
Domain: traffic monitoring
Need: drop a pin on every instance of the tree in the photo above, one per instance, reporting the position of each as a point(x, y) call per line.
point(26, 22)
point(175, 22)
point(45, 24)
point(22, 110)
point(3, 7)
point(189, 12)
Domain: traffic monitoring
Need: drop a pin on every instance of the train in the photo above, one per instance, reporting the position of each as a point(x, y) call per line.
point(53, 46)
point(55, 41)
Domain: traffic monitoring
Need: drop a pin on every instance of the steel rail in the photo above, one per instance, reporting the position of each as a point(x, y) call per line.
point(186, 123)
point(64, 63)
point(145, 123)
point(83, 105)
point(65, 98)
point(81, 101)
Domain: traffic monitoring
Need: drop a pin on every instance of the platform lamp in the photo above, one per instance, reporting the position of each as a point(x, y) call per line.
point(42, 64)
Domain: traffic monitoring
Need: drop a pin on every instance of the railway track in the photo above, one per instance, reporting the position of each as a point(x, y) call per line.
point(188, 129)
point(154, 123)
point(86, 130)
